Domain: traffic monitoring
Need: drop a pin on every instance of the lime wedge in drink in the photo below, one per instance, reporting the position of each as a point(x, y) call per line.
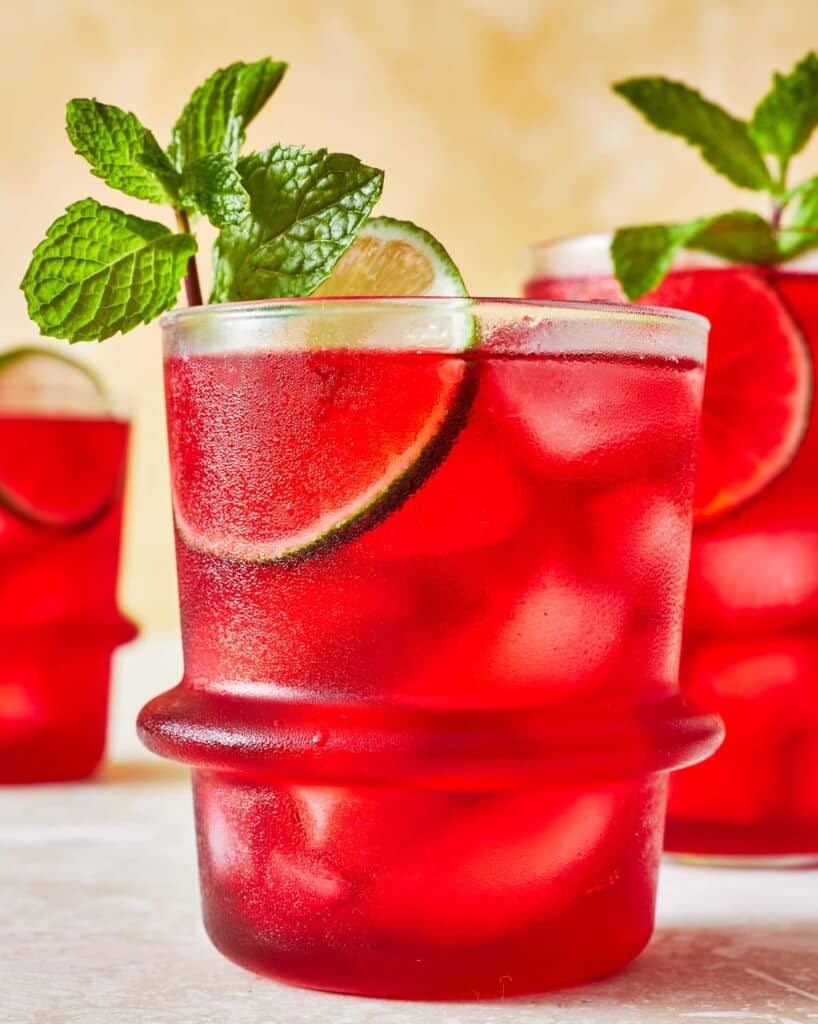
point(59, 464)
point(332, 437)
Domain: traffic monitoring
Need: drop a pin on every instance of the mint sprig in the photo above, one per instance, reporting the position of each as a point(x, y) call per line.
point(306, 207)
point(752, 154)
point(285, 215)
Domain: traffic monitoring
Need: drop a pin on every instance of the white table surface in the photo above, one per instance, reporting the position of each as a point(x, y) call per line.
point(99, 918)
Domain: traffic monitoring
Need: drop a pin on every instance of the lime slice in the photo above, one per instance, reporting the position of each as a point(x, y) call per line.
point(39, 381)
point(758, 386)
point(394, 257)
point(349, 428)
point(61, 453)
point(398, 259)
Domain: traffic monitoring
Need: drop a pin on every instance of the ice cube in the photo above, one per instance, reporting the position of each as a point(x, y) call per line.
point(585, 418)
point(357, 832)
point(740, 575)
point(498, 865)
point(559, 640)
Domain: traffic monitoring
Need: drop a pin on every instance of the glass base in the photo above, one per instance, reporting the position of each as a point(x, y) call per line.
point(407, 893)
point(53, 756)
point(781, 861)
point(781, 842)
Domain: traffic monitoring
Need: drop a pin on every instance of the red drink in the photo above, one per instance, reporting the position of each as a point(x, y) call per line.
point(431, 607)
point(61, 479)
point(751, 628)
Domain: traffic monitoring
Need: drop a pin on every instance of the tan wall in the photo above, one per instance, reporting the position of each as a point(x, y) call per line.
point(493, 120)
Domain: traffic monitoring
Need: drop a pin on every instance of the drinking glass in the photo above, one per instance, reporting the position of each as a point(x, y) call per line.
point(62, 474)
point(750, 647)
point(432, 557)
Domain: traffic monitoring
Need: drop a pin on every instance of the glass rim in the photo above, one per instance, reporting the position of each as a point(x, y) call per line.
point(565, 311)
point(594, 246)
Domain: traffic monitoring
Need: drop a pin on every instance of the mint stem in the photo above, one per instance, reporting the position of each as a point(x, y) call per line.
point(193, 289)
point(775, 219)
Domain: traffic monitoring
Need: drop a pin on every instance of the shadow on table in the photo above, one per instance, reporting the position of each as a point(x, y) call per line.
point(746, 972)
point(139, 772)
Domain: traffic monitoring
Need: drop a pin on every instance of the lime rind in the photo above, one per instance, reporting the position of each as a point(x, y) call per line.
point(36, 516)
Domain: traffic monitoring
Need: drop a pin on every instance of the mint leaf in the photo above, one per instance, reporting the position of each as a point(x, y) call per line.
point(218, 112)
point(786, 117)
point(306, 208)
point(739, 236)
point(723, 140)
point(99, 271)
point(120, 150)
point(213, 186)
point(643, 255)
point(800, 233)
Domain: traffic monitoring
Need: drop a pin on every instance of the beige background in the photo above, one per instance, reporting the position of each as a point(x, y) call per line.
point(492, 118)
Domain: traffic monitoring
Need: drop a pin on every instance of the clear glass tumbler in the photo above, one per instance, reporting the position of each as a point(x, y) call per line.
point(432, 556)
point(750, 648)
point(63, 456)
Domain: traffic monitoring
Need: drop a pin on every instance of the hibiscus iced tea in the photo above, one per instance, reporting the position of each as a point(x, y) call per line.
point(62, 469)
point(750, 642)
point(432, 557)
